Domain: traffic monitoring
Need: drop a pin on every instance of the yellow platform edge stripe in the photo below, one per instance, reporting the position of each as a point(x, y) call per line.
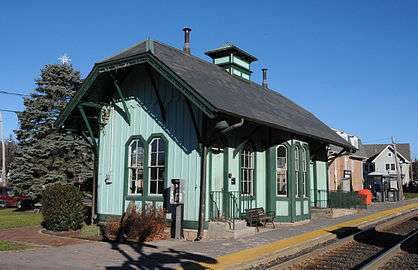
point(247, 255)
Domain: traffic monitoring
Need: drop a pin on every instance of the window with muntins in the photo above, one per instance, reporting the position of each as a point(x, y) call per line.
point(136, 167)
point(387, 167)
point(156, 166)
point(247, 171)
point(304, 172)
point(281, 171)
point(297, 170)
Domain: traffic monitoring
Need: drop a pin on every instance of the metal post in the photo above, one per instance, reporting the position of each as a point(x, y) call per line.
point(202, 202)
point(94, 185)
point(177, 233)
point(3, 152)
point(398, 171)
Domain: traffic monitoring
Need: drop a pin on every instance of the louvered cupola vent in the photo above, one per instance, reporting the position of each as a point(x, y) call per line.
point(233, 59)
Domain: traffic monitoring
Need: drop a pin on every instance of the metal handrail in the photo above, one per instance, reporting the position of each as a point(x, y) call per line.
point(225, 206)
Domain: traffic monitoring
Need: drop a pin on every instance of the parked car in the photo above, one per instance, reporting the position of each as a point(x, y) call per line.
point(11, 199)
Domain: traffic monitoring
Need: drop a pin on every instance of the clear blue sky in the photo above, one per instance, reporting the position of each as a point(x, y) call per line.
point(354, 64)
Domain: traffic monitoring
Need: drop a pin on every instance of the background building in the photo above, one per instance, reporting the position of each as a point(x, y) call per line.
point(381, 159)
point(346, 169)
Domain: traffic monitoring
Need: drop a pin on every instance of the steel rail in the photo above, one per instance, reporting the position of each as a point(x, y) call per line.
point(386, 257)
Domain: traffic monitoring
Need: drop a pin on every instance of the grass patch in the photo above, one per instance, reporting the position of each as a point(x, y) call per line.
point(9, 245)
point(410, 195)
point(9, 219)
point(90, 231)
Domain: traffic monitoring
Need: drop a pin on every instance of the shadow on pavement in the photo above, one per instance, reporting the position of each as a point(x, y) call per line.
point(159, 259)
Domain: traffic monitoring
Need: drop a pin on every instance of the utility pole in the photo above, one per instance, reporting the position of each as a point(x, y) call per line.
point(3, 153)
point(398, 170)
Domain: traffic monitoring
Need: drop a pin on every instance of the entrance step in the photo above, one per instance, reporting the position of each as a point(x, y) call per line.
point(321, 213)
point(223, 230)
point(317, 213)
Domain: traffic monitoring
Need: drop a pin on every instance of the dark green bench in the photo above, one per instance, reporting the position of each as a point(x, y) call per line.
point(257, 216)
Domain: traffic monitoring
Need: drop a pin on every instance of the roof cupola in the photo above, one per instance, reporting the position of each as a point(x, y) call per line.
point(233, 59)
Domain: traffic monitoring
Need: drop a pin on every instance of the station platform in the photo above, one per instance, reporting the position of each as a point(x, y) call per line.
point(287, 239)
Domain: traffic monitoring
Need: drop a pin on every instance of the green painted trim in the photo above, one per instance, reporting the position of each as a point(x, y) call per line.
point(315, 181)
point(210, 170)
point(91, 77)
point(226, 169)
point(105, 217)
point(87, 123)
point(308, 178)
point(193, 225)
point(92, 104)
point(125, 106)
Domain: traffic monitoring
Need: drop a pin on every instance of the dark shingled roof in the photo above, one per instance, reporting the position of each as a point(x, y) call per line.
point(239, 97)
point(374, 149)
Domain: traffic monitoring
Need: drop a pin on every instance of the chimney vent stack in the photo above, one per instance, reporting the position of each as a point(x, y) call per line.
point(186, 48)
point(265, 84)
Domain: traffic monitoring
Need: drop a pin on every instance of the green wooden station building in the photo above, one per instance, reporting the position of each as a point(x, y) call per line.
point(154, 113)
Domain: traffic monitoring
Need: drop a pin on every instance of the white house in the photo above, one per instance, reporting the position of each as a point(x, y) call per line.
point(381, 159)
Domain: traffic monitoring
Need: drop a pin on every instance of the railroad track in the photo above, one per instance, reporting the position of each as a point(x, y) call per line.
point(403, 255)
point(363, 249)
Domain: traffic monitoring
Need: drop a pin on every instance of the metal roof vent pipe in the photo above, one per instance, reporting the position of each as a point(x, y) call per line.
point(186, 48)
point(265, 84)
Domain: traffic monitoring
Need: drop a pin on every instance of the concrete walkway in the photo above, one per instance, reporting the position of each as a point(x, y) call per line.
point(216, 254)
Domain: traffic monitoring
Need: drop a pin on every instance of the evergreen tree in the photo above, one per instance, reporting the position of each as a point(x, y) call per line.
point(45, 156)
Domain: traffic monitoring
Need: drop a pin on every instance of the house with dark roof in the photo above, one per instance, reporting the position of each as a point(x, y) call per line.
point(346, 169)
point(380, 159)
point(154, 113)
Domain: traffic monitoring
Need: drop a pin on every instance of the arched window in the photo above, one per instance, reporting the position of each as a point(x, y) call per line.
point(281, 171)
point(304, 172)
point(297, 170)
point(247, 171)
point(136, 167)
point(156, 166)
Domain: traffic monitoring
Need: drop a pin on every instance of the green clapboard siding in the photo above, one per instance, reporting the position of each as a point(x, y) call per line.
point(183, 154)
point(261, 179)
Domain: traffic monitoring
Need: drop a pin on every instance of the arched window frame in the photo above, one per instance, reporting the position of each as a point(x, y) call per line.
point(160, 169)
point(247, 171)
point(296, 152)
point(129, 166)
point(282, 172)
point(304, 161)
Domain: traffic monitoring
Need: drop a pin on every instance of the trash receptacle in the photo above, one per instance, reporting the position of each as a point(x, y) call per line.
point(366, 195)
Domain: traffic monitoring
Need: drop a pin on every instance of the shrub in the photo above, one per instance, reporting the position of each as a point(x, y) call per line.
point(143, 225)
point(112, 228)
point(62, 207)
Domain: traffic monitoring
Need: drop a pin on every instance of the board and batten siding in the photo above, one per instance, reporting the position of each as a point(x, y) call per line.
point(183, 160)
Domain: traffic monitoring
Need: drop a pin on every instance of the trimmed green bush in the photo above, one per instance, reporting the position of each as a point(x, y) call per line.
point(62, 207)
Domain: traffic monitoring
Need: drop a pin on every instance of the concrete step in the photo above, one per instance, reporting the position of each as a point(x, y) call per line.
point(331, 213)
point(223, 230)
